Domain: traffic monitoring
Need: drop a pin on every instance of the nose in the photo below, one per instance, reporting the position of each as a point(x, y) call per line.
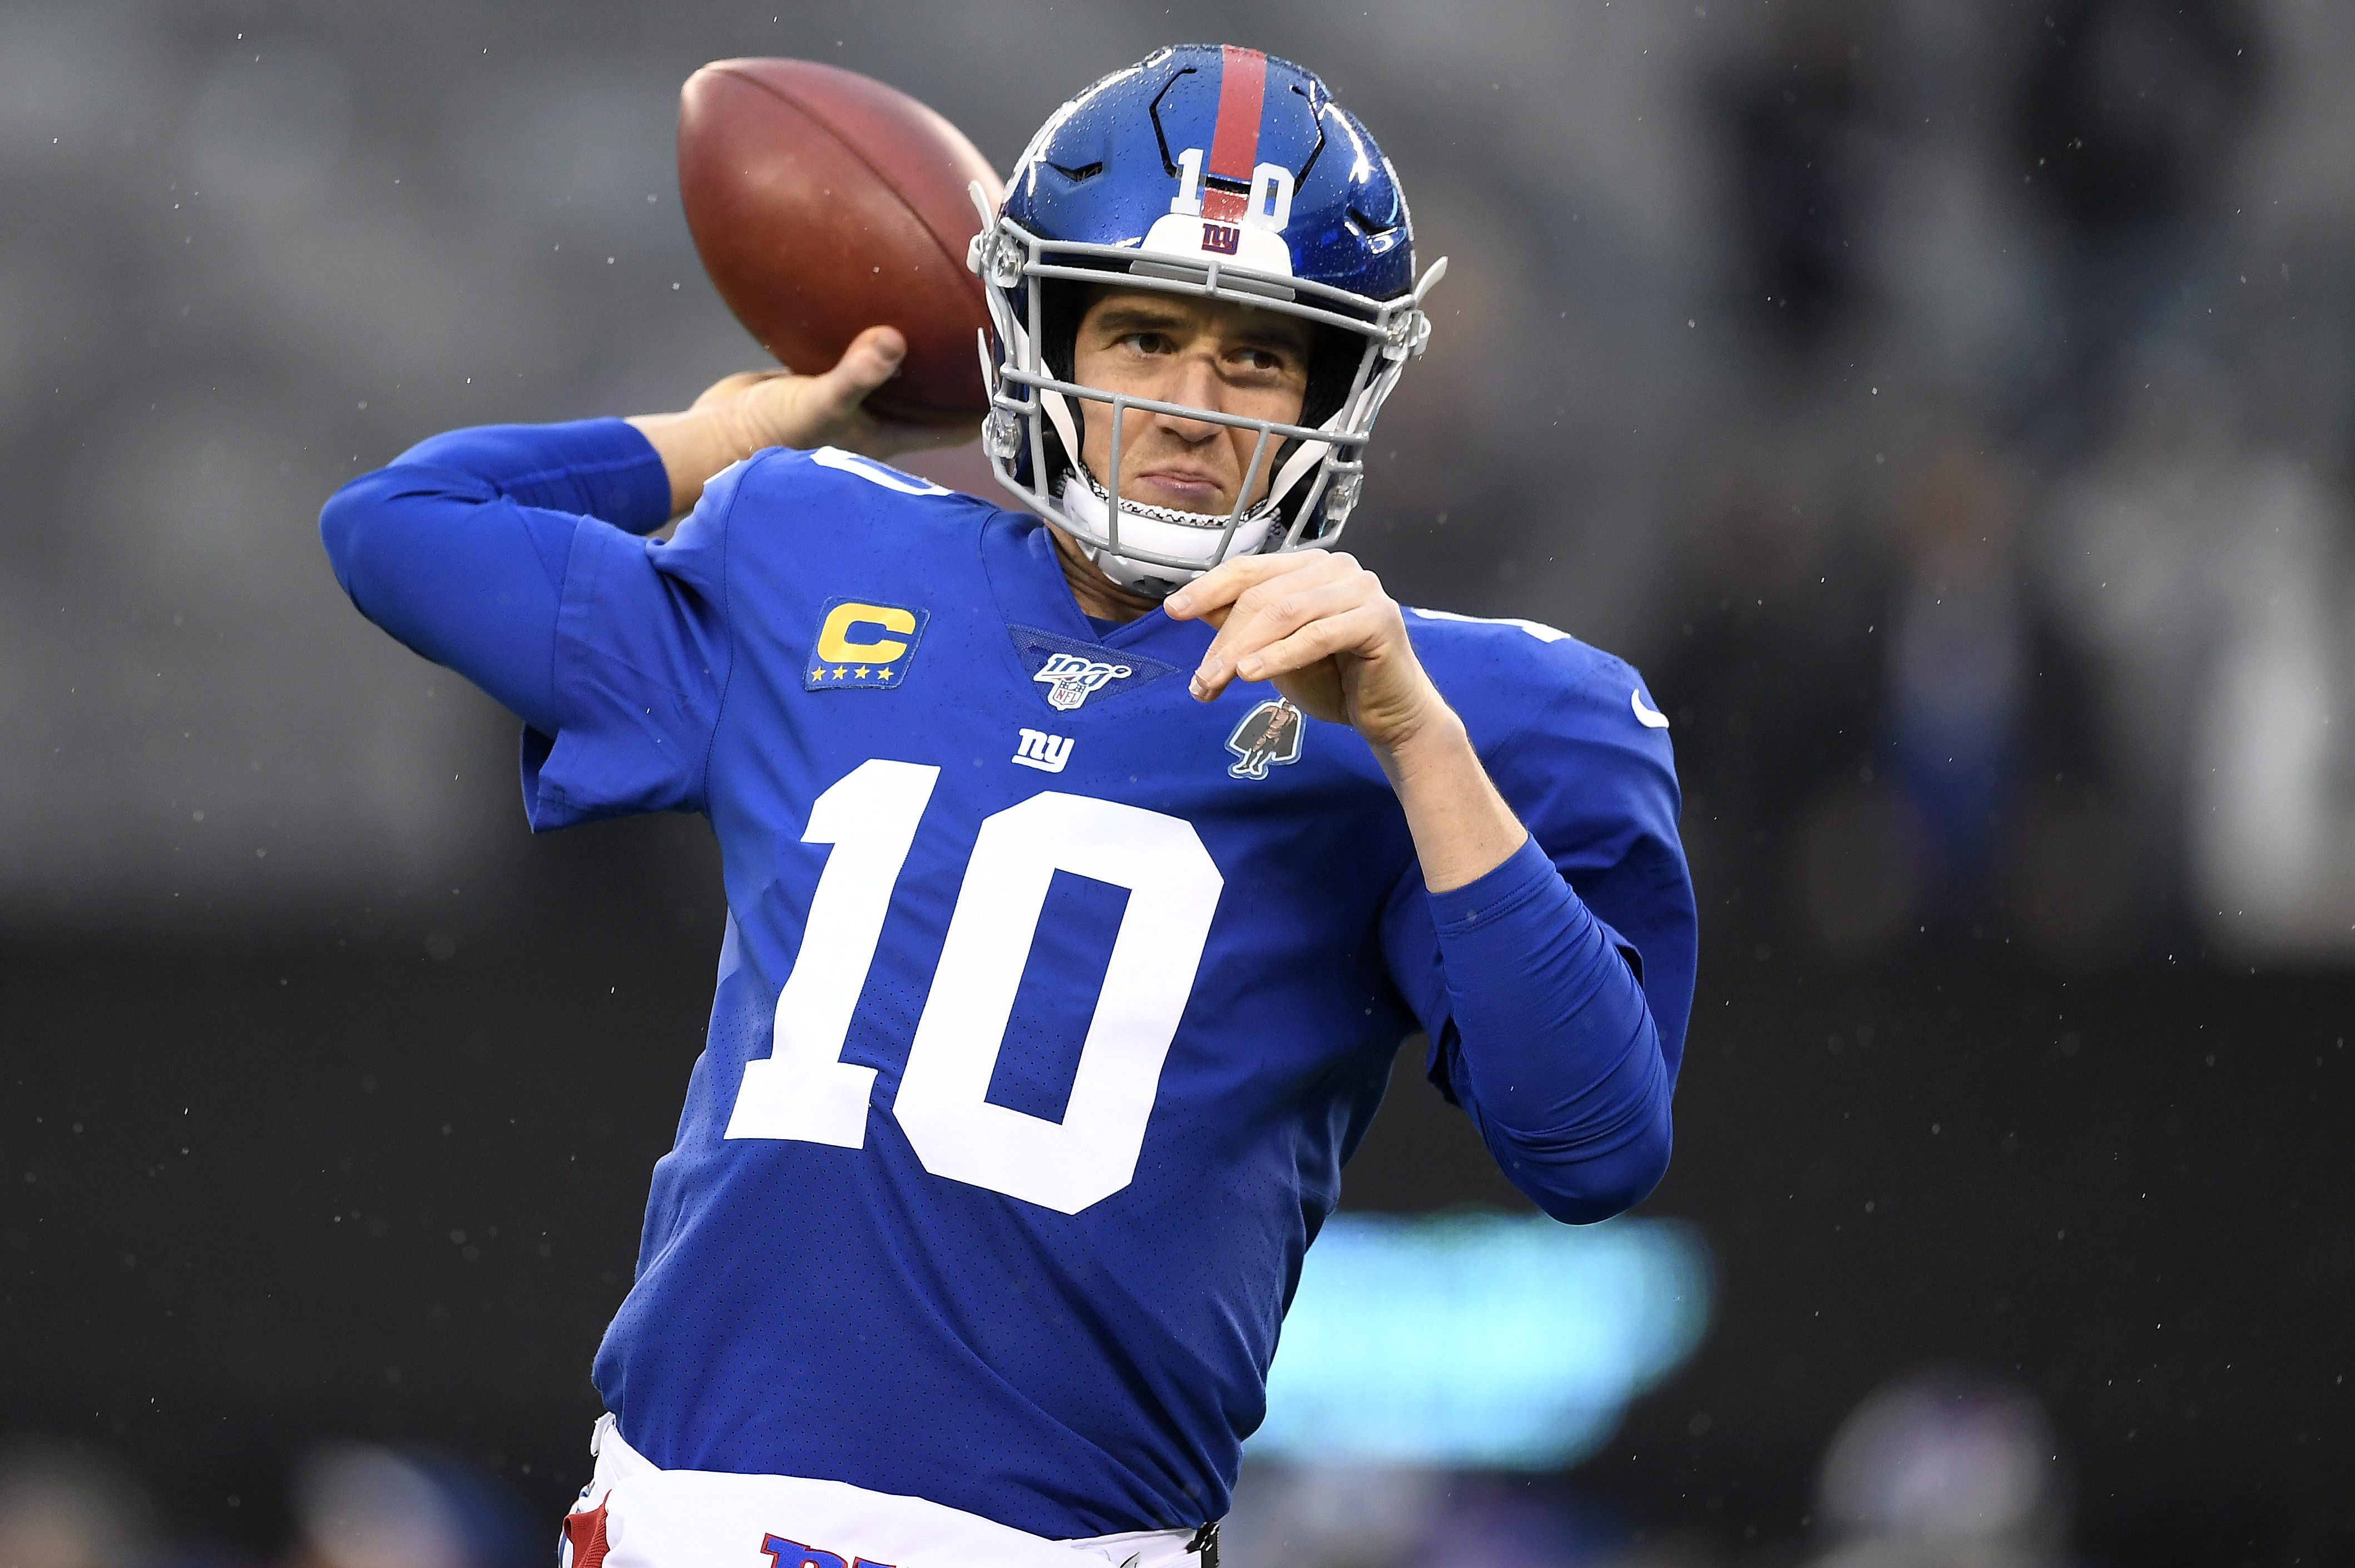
point(1195, 382)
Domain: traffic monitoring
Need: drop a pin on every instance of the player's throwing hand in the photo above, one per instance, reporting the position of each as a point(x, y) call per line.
point(754, 410)
point(1321, 628)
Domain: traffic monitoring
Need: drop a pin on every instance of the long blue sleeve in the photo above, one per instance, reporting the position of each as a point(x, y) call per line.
point(459, 548)
point(1557, 988)
point(1555, 1053)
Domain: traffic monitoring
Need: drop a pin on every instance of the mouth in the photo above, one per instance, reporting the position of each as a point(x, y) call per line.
point(1186, 489)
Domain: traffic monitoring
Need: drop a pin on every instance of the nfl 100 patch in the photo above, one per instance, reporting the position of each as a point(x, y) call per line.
point(863, 645)
point(1068, 672)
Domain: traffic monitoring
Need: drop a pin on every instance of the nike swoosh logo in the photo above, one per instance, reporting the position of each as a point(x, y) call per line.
point(1649, 718)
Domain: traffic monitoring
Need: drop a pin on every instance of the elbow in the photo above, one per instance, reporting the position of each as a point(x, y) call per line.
point(346, 523)
point(1596, 1187)
point(365, 524)
point(1604, 1197)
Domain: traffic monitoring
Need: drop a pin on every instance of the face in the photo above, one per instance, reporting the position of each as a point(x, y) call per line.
point(1208, 354)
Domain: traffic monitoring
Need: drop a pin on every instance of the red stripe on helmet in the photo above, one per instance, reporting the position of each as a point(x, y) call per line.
point(1234, 145)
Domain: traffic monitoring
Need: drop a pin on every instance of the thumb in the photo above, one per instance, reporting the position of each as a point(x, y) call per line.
point(872, 358)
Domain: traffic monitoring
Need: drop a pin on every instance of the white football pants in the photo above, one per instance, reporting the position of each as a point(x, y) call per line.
point(634, 1515)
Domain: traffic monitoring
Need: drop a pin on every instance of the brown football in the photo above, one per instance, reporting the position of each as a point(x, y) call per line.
point(823, 203)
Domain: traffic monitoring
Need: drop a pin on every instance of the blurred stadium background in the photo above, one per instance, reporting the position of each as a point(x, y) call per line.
point(1947, 404)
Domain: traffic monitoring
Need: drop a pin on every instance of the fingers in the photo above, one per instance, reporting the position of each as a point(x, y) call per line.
point(1319, 589)
point(1358, 628)
point(785, 410)
point(1228, 581)
point(1265, 613)
point(872, 358)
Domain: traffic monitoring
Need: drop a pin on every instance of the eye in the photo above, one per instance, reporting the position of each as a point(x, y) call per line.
point(1147, 342)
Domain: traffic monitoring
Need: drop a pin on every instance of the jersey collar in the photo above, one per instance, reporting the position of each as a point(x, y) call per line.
point(1017, 556)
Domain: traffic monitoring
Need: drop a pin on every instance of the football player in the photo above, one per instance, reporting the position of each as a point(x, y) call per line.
point(1024, 1095)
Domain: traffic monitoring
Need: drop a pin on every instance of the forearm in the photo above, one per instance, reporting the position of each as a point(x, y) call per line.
point(1556, 1055)
point(601, 468)
point(1461, 827)
point(1555, 1052)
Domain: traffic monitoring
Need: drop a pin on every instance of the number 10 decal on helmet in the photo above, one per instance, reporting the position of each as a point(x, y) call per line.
point(1211, 173)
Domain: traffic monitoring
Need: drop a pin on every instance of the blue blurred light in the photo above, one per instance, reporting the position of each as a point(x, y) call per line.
point(1486, 1341)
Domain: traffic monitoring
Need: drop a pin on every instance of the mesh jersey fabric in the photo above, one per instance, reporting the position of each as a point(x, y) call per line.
point(845, 1313)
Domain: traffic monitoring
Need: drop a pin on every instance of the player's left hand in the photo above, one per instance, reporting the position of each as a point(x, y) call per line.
point(1320, 627)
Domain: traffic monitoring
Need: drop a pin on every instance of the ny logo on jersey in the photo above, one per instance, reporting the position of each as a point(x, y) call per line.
point(1046, 752)
point(1269, 734)
point(1069, 678)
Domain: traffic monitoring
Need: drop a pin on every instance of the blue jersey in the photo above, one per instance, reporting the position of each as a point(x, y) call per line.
point(1051, 1000)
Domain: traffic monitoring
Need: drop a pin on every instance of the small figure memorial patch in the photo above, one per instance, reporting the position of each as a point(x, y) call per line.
point(1268, 736)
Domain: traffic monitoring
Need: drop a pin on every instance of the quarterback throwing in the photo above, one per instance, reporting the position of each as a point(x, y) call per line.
point(1085, 862)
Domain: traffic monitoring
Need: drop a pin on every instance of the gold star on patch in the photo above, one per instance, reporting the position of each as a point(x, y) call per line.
point(882, 674)
point(817, 674)
point(839, 672)
point(860, 672)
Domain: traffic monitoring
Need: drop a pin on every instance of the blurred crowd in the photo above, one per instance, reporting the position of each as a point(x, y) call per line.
point(349, 1504)
point(1942, 1468)
point(1946, 404)
point(2011, 599)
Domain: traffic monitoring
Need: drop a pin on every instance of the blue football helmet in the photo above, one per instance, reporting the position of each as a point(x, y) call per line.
point(1217, 173)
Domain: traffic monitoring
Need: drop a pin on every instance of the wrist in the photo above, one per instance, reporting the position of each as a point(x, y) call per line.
point(694, 446)
point(1461, 827)
point(1431, 739)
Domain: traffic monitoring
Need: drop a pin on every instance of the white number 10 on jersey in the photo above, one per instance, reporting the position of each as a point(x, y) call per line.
point(804, 1090)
